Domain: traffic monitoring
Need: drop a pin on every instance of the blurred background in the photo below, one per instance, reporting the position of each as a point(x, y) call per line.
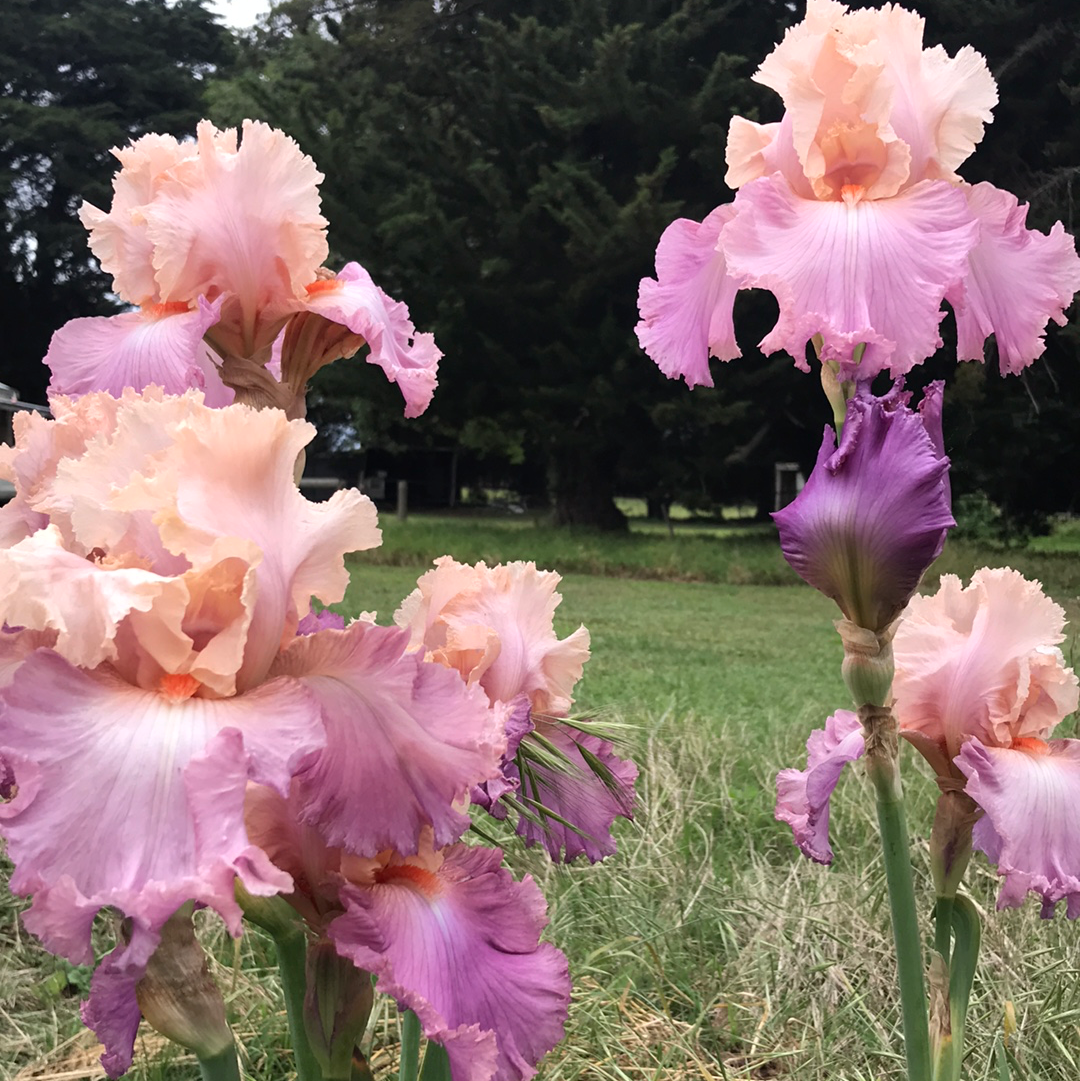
point(506, 168)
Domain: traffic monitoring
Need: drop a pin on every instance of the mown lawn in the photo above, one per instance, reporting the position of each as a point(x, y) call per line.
point(707, 947)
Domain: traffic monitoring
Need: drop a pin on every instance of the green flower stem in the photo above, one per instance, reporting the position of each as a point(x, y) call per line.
point(291, 949)
point(222, 1067)
point(884, 771)
point(409, 1066)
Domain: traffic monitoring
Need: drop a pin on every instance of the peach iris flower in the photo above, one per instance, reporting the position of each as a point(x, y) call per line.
point(850, 211)
point(220, 245)
point(494, 626)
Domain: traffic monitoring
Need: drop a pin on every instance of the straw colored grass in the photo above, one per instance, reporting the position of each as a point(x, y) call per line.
point(706, 948)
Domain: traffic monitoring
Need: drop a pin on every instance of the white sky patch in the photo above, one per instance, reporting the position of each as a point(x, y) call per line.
point(239, 14)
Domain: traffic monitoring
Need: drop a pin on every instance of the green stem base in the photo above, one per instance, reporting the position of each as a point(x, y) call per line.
point(896, 853)
point(221, 1067)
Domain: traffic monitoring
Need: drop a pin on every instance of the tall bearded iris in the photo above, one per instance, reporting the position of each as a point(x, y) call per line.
point(156, 563)
point(849, 210)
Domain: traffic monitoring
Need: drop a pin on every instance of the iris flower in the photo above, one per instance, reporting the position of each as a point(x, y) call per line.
point(875, 511)
point(446, 930)
point(493, 625)
point(850, 211)
point(220, 245)
point(980, 686)
point(154, 567)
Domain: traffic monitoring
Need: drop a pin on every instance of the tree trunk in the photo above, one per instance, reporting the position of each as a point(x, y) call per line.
point(583, 494)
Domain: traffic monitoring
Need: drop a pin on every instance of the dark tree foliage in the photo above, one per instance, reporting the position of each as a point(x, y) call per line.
point(1012, 438)
point(79, 77)
point(507, 167)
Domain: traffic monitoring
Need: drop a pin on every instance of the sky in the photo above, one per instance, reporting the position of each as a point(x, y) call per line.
point(239, 13)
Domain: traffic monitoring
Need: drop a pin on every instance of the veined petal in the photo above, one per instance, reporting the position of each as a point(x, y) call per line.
point(138, 350)
point(241, 221)
point(405, 740)
point(875, 511)
point(134, 799)
point(686, 312)
point(982, 662)
point(871, 273)
point(407, 358)
point(459, 945)
point(1017, 280)
point(1031, 825)
point(802, 796)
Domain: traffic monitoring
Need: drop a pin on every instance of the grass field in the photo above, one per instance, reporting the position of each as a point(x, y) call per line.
point(707, 947)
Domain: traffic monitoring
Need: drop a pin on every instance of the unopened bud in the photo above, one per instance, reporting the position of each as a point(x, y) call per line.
point(337, 1005)
point(178, 996)
point(273, 914)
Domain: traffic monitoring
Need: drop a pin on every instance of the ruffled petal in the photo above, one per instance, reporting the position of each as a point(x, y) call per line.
point(45, 587)
point(243, 221)
point(686, 311)
point(869, 106)
point(1017, 280)
point(875, 512)
point(802, 796)
point(1031, 825)
point(494, 625)
point(585, 801)
point(112, 1010)
point(515, 721)
point(405, 740)
point(119, 238)
point(40, 445)
point(138, 349)
point(409, 359)
point(982, 662)
point(459, 945)
point(160, 820)
point(228, 473)
point(870, 272)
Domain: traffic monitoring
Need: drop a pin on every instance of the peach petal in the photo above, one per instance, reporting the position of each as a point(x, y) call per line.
point(456, 609)
point(982, 662)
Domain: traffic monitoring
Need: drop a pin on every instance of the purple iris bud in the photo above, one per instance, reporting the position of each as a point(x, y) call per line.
point(874, 513)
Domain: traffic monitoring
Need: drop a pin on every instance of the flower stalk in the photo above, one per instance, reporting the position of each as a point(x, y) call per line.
point(220, 1067)
point(883, 769)
point(290, 948)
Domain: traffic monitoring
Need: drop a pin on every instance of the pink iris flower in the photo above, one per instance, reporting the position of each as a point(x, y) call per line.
point(446, 930)
point(156, 671)
point(849, 210)
point(219, 243)
point(494, 625)
point(980, 686)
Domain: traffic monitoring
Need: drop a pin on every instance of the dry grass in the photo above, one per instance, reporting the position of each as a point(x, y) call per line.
point(707, 948)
